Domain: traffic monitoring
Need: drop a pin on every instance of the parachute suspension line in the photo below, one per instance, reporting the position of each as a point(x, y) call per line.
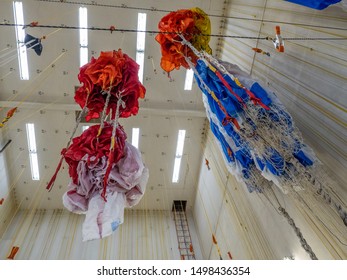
point(115, 121)
point(303, 241)
point(78, 121)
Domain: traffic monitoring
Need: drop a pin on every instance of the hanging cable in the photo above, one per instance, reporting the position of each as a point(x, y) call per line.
point(159, 32)
point(153, 9)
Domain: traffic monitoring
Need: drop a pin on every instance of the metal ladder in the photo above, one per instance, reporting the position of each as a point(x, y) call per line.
point(185, 245)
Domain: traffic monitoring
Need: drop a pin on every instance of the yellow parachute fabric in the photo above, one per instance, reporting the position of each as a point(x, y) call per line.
point(203, 24)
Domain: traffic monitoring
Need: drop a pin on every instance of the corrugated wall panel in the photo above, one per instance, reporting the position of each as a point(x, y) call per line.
point(310, 77)
point(56, 234)
point(222, 208)
point(249, 225)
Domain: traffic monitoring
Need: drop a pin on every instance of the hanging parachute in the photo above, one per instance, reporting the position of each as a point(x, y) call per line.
point(257, 135)
point(258, 138)
point(107, 173)
point(255, 132)
point(103, 205)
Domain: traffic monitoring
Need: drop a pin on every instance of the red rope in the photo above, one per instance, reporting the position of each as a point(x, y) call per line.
point(51, 182)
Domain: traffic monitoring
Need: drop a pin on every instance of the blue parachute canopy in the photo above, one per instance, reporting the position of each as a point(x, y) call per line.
point(266, 142)
point(315, 4)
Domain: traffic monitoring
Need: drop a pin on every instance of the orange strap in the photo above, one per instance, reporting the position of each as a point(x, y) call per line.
point(256, 100)
point(13, 253)
point(230, 152)
point(11, 112)
point(9, 115)
point(257, 50)
point(219, 75)
point(215, 242)
point(228, 120)
point(191, 248)
point(214, 239)
point(207, 163)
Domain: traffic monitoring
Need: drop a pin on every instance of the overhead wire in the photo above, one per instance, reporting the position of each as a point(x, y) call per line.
point(92, 28)
point(153, 9)
point(235, 37)
point(259, 32)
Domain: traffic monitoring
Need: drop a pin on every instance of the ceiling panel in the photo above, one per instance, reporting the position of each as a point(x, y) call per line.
point(47, 98)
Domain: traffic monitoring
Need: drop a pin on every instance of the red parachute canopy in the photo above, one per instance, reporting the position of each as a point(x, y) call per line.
point(113, 72)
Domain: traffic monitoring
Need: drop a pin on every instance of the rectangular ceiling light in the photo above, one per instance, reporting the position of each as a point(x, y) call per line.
point(140, 59)
point(135, 137)
point(83, 21)
point(34, 164)
point(140, 43)
point(178, 156)
point(188, 84)
point(20, 36)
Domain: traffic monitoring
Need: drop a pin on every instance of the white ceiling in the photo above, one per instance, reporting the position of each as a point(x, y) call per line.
point(47, 98)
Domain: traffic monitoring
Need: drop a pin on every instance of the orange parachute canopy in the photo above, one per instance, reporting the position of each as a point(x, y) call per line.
point(194, 25)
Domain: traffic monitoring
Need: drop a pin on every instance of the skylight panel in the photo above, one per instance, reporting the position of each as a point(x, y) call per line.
point(188, 83)
point(20, 36)
point(83, 56)
point(140, 59)
point(135, 137)
point(34, 164)
point(141, 29)
point(178, 155)
point(83, 24)
point(140, 43)
point(35, 174)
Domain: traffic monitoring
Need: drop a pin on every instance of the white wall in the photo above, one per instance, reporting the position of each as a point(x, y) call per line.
point(249, 226)
point(4, 182)
point(309, 77)
point(222, 208)
point(310, 80)
point(56, 234)
point(8, 205)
